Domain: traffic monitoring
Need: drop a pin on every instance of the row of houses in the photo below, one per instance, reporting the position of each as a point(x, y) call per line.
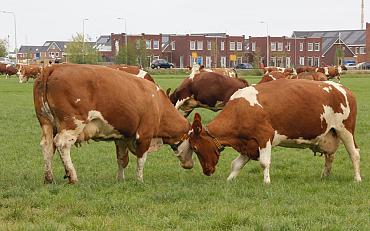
point(313, 48)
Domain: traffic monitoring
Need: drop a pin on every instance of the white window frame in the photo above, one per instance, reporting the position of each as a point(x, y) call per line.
point(310, 47)
point(222, 46)
point(223, 61)
point(192, 45)
point(362, 50)
point(173, 45)
point(317, 61)
point(239, 60)
point(357, 49)
point(199, 45)
point(317, 47)
point(273, 46)
point(273, 61)
point(148, 44)
point(209, 45)
point(208, 61)
point(288, 46)
point(301, 46)
point(310, 61)
point(288, 62)
point(280, 46)
point(155, 57)
point(156, 45)
point(232, 46)
point(253, 46)
point(301, 61)
point(56, 54)
point(239, 46)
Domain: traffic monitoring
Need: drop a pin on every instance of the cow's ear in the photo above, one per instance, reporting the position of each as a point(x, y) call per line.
point(197, 124)
point(168, 91)
point(189, 67)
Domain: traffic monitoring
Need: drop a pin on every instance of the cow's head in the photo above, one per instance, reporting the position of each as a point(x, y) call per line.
point(184, 152)
point(206, 147)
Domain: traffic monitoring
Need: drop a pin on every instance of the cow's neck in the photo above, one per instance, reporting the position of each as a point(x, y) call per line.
point(224, 134)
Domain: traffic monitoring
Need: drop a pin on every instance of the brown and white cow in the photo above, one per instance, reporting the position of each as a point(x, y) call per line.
point(260, 117)
point(317, 76)
point(28, 71)
point(135, 70)
point(332, 72)
point(273, 75)
point(227, 72)
point(205, 89)
point(75, 103)
point(7, 69)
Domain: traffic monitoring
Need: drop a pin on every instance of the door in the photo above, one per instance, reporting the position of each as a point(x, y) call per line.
point(223, 61)
point(208, 62)
point(181, 61)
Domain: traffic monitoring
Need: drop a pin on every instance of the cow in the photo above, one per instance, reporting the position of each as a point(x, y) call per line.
point(273, 75)
point(288, 113)
point(137, 71)
point(8, 70)
point(204, 89)
point(332, 72)
point(317, 76)
point(28, 71)
point(76, 102)
point(227, 72)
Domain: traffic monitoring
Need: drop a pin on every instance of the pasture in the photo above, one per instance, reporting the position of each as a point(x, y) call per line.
point(172, 198)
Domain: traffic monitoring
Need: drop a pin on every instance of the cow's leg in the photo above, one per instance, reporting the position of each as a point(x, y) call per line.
point(237, 165)
point(354, 152)
point(265, 161)
point(329, 157)
point(141, 154)
point(63, 142)
point(48, 150)
point(122, 158)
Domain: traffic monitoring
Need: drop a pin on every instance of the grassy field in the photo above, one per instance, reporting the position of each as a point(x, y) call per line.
point(172, 198)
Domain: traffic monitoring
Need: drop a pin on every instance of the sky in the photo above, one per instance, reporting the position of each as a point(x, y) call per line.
point(39, 20)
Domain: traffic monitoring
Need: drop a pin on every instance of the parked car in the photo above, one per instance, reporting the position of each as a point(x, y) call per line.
point(350, 66)
point(161, 63)
point(244, 66)
point(363, 66)
point(6, 60)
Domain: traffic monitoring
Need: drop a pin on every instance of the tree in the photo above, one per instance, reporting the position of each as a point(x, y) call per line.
point(214, 53)
point(136, 54)
point(339, 55)
point(82, 52)
point(142, 53)
point(3, 45)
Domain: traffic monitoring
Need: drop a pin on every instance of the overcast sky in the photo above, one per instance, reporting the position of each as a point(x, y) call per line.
point(41, 20)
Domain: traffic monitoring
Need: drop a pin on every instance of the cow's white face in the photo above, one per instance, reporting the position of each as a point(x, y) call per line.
point(185, 154)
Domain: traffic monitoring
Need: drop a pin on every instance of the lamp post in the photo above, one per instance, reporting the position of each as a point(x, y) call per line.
point(83, 39)
point(125, 21)
point(267, 43)
point(15, 33)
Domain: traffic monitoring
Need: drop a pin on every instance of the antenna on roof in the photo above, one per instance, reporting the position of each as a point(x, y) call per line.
point(362, 14)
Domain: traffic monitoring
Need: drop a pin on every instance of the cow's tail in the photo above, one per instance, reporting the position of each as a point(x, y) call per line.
point(236, 73)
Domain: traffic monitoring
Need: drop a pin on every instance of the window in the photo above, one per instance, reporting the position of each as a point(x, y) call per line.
point(310, 46)
point(156, 44)
point(362, 50)
point(232, 46)
point(280, 46)
point(301, 61)
point(279, 62)
point(310, 61)
point(287, 62)
point(239, 60)
point(273, 46)
point(253, 46)
point(56, 54)
point(239, 46)
point(317, 62)
point(288, 46)
point(223, 61)
point(192, 45)
point(173, 45)
point(222, 46)
point(357, 50)
point(148, 44)
point(192, 60)
point(199, 45)
point(317, 47)
point(209, 45)
point(301, 48)
point(200, 60)
point(273, 61)
point(155, 57)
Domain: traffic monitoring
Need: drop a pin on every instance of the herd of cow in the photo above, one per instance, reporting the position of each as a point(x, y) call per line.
point(75, 103)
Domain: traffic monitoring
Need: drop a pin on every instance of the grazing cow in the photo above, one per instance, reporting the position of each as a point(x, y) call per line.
point(228, 72)
point(133, 70)
point(7, 69)
point(76, 103)
point(289, 113)
point(28, 71)
point(273, 75)
point(317, 76)
point(205, 89)
point(270, 69)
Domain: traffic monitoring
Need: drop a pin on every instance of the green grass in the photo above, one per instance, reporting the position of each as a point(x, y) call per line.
point(172, 198)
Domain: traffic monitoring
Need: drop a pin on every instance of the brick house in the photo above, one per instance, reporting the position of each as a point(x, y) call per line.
point(50, 50)
point(211, 50)
point(367, 56)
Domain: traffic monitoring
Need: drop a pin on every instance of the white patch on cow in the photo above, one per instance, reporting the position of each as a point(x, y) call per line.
point(155, 144)
point(281, 69)
point(137, 136)
point(184, 153)
point(327, 89)
point(141, 74)
point(158, 88)
point(248, 93)
point(124, 67)
point(278, 138)
point(326, 71)
point(194, 71)
point(265, 161)
point(340, 70)
point(46, 110)
point(152, 95)
point(272, 77)
point(8, 65)
point(207, 70)
point(237, 165)
point(294, 71)
point(179, 103)
point(77, 100)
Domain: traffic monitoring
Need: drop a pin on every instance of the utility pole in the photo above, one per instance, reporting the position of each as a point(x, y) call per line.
point(267, 44)
point(15, 33)
point(83, 39)
point(124, 19)
point(362, 15)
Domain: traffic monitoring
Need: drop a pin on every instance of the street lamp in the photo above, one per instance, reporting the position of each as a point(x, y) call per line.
point(15, 33)
point(124, 19)
point(267, 43)
point(83, 39)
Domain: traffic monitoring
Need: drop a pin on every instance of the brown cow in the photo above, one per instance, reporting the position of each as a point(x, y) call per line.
point(205, 89)
point(76, 103)
point(7, 69)
point(317, 76)
point(227, 72)
point(275, 114)
point(135, 70)
point(28, 71)
point(273, 75)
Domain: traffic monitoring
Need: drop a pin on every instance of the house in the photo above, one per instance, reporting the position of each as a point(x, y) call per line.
point(104, 47)
point(50, 50)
